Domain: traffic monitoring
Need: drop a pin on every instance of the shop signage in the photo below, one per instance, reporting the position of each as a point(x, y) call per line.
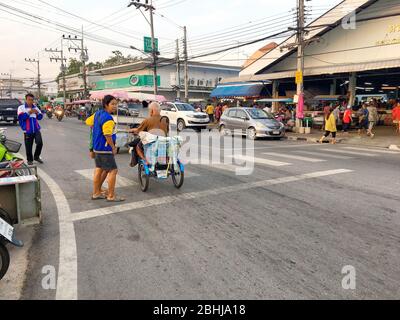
point(299, 77)
point(132, 81)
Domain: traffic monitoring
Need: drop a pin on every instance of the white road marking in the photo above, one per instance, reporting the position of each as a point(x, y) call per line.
point(333, 156)
point(101, 212)
point(67, 280)
point(261, 161)
point(121, 181)
point(372, 150)
point(225, 167)
point(350, 152)
point(290, 156)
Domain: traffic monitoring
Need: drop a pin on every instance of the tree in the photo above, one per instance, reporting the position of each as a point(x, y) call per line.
point(118, 59)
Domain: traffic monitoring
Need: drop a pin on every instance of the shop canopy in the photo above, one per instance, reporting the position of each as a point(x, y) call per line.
point(231, 90)
point(283, 100)
point(125, 95)
point(328, 98)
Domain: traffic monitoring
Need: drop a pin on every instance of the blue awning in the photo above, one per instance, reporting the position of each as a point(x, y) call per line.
point(239, 90)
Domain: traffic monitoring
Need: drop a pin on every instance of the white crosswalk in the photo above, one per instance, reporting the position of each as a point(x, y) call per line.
point(121, 181)
point(294, 157)
point(319, 154)
point(372, 150)
point(268, 162)
point(364, 154)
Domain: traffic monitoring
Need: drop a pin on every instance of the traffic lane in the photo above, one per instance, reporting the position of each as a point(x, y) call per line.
point(260, 244)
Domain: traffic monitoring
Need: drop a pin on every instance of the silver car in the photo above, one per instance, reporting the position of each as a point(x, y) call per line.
point(252, 122)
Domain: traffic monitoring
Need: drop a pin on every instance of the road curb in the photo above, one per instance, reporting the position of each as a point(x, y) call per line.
point(308, 139)
point(394, 147)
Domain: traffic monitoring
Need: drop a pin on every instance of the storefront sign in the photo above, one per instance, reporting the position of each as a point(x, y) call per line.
point(299, 77)
point(132, 81)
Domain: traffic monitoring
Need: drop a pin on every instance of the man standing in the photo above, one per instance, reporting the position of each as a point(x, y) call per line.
point(29, 116)
point(372, 118)
point(347, 119)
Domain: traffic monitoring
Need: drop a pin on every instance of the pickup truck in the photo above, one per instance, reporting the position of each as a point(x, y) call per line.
point(9, 110)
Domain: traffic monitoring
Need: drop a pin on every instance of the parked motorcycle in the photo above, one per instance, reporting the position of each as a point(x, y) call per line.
point(59, 113)
point(7, 236)
point(49, 113)
point(14, 165)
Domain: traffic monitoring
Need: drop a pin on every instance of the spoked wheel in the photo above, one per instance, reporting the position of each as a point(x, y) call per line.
point(4, 259)
point(144, 179)
point(24, 171)
point(178, 176)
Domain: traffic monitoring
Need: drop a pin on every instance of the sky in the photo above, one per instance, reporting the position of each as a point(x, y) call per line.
point(211, 25)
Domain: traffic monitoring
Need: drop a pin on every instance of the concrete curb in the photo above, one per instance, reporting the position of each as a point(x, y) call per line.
point(307, 139)
point(394, 147)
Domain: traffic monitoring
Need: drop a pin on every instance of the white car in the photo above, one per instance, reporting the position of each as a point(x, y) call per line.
point(183, 115)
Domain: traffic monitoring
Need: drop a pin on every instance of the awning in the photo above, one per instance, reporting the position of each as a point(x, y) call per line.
point(284, 100)
point(229, 90)
point(328, 97)
point(126, 95)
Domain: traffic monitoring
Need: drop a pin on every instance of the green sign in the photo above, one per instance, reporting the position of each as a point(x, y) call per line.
point(148, 46)
point(132, 81)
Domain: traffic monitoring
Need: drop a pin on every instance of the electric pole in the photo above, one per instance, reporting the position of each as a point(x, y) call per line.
point(300, 62)
point(38, 70)
point(178, 72)
point(83, 55)
point(63, 67)
point(151, 9)
point(185, 57)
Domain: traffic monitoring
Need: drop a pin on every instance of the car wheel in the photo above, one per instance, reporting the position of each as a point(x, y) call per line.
point(181, 125)
point(251, 134)
point(222, 130)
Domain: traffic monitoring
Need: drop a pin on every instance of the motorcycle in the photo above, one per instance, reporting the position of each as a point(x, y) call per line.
point(49, 113)
point(59, 113)
point(7, 236)
point(15, 166)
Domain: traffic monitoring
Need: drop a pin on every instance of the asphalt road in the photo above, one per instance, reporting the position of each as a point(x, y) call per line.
point(283, 232)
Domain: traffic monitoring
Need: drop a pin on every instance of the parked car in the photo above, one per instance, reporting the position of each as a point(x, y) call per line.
point(134, 109)
point(252, 122)
point(123, 110)
point(184, 116)
point(9, 110)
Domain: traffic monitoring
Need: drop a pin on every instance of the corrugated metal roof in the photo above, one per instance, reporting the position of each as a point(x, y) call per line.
point(331, 17)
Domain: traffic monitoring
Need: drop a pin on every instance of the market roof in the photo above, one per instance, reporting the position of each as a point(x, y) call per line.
point(250, 89)
point(321, 25)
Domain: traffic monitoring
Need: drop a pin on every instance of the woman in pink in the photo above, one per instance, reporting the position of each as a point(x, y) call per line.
point(396, 117)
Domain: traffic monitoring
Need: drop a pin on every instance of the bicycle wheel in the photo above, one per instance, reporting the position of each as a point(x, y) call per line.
point(4, 260)
point(178, 176)
point(24, 171)
point(144, 179)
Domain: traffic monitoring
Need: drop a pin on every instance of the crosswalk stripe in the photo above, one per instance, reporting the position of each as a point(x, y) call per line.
point(372, 150)
point(261, 161)
point(333, 156)
point(290, 156)
point(121, 181)
point(350, 152)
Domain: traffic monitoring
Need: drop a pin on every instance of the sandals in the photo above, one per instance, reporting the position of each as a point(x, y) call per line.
point(116, 199)
point(100, 197)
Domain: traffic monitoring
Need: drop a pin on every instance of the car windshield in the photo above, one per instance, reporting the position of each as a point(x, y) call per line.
point(134, 106)
point(259, 114)
point(184, 107)
point(7, 103)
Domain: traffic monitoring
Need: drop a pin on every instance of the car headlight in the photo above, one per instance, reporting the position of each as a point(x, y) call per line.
point(260, 126)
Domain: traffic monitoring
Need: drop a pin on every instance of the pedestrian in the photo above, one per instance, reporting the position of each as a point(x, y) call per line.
point(330, 128)
point(104, 148)
point(218, 112)
point(372, 118)
point(210, 112)
point(336, 112)
point(29, 116)
point(396, 116)
point(225, 107)
point(347, 119)
point(327, 111)
point(363, 119)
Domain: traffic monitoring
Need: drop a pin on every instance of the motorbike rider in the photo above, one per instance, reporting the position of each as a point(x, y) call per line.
point(154, 124)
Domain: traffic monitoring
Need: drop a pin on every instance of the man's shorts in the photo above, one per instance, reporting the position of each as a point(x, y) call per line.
point(105, 161)
point(371, 125)
point(396, 121)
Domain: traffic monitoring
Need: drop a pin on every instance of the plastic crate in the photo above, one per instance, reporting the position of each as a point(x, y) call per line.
point(12, 146)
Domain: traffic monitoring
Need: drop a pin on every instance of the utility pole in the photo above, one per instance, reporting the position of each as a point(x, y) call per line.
point(185, 57)
point(151, 9)
point(63, 68)
point(178, 72)
point(300, 62)
point(83, 55)
point(38, 70)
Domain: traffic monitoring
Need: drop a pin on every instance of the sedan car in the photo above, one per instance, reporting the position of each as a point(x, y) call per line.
point(252, 122)
point(183, 115)
point(134, 109)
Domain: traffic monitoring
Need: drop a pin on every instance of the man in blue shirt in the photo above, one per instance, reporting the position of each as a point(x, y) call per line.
point(29, 116)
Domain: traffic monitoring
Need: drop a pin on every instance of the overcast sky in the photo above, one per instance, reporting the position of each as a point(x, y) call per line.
point(21, 37)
